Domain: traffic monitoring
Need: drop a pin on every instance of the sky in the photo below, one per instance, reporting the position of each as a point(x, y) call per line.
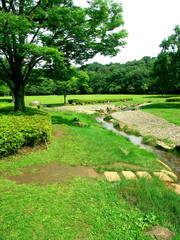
point(147, 22)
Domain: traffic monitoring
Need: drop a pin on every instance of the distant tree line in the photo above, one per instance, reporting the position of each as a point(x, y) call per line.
point(115, 78)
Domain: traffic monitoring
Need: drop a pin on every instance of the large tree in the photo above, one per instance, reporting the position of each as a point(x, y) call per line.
point(34, 32)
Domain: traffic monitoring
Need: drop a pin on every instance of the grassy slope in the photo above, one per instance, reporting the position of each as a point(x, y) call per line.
point(85, 209)
point(93, 146)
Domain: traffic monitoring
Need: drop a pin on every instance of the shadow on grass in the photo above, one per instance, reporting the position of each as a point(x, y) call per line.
point(5, 100)
point(53, 105)
point(61, 120)
point(162, 105)
point(28, 111)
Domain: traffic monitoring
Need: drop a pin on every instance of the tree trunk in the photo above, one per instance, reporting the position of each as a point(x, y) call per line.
point(65, 99)
point(19, 104)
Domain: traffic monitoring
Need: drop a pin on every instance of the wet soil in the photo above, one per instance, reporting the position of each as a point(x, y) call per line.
point(53, 172)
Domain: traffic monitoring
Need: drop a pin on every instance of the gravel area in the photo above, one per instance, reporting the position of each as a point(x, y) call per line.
point(146, 123)
point(149, 125)
point(89, 109)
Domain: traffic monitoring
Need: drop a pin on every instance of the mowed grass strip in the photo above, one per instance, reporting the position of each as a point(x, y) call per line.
point(59, 99)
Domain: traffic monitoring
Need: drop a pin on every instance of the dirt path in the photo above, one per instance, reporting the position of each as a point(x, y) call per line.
point(149, 125)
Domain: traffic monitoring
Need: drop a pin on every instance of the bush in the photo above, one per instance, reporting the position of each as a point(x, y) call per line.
point(173, 99)
point(92, 101)
point(22, 129)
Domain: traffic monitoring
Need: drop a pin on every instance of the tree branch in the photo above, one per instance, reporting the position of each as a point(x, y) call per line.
point(29, 67)
point(21, 7)
point(34, 7)
point(35, 35)
point(4, 68)
point(4, 5)
point(11, 5)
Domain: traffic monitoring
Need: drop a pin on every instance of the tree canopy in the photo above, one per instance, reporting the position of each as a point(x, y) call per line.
point(167, 65)
point(36, 32)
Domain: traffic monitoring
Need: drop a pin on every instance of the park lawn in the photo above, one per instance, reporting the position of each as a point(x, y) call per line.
point(84, 208)
point(168, 111)
point(55, 99)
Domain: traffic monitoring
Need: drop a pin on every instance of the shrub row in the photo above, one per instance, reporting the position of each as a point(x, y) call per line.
point(92, 101)
point(22, 129)
point(173, 99)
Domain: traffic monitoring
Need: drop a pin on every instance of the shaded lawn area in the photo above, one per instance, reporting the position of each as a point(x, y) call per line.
point(168, 111)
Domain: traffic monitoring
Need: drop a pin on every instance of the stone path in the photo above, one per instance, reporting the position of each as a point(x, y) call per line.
point(164, 175)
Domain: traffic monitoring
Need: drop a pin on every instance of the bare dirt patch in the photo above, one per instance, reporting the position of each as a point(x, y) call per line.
point(53, 172)
point(58, 133)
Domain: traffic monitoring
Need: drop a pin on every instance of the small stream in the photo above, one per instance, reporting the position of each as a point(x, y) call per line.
point(170, 159)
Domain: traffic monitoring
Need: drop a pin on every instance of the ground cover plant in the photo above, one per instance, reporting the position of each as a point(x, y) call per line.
point(22, 129)
point(94, 101)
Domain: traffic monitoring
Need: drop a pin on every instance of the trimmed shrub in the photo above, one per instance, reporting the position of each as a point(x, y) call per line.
point(22, 129)
point(173, 99)
point(92, 101)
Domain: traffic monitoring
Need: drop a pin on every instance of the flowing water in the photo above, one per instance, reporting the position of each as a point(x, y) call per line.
point(170, 159)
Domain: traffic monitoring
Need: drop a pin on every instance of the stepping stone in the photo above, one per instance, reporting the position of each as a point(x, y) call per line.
point(161, 233)
point(112, 176)
point(143, 174)
point(163, 176)
point(165, 165)
point(176, 187)
point(170, 173)
point(129, 175)
point(162, 145)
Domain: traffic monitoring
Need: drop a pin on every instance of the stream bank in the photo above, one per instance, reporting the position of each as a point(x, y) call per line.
point(168, 158)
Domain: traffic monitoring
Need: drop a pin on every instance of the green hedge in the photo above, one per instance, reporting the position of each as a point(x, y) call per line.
point(173, 99)
point(22, 129)
point(92, 101)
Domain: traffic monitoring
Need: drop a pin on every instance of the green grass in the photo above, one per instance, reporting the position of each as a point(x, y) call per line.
point(153, 199)
point(89, 209)
point(54, 99)
point(83, 210)
point(88, 146)
point(168, 111)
